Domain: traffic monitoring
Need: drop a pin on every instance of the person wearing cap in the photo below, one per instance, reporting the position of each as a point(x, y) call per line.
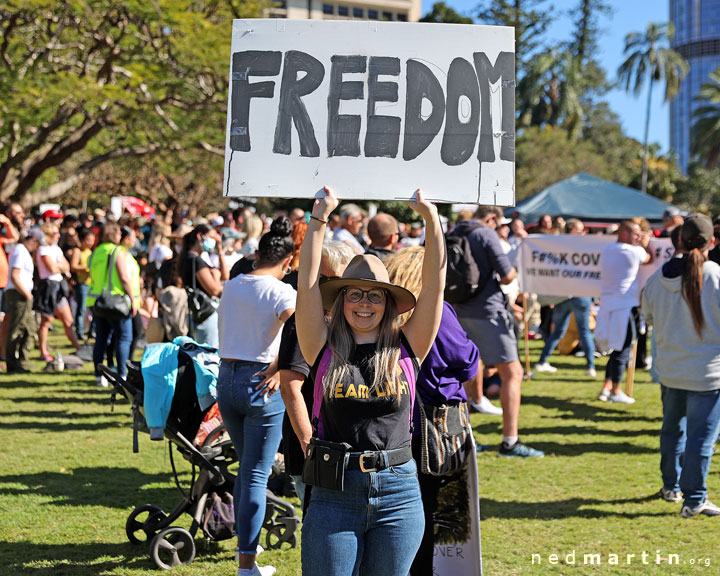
point(682, 302)
point(384, 235)
point(672, 218)
point(52, 292)
point(618, 316)
point(18, 299)
point(52, 214)
point(368, 366)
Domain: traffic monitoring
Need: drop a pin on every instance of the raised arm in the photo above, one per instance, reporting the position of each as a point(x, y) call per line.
point(309, 315)
point(423, 325)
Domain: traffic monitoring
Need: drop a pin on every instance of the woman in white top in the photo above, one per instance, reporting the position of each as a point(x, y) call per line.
point(253, 227)
point(52, 302)
point(252, 311)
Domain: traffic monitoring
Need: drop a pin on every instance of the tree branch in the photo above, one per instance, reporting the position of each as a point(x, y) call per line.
point(213, 149)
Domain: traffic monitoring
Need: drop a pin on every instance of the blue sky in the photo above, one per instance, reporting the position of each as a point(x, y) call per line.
point(628, 16)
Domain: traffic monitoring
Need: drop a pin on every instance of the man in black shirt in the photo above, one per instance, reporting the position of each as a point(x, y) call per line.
point(383, 231)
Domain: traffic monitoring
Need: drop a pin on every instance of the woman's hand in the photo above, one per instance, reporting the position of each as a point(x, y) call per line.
point(271, 381)
point(323, 207)
point(421, 206)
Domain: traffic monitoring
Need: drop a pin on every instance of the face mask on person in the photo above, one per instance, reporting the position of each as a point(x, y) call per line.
point(208, 244)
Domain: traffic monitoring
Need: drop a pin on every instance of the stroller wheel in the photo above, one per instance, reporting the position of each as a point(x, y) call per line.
point(142, 523)
point(172, 547)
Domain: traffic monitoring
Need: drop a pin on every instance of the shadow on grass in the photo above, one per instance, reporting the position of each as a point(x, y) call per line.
point(43, 380)
point(100, 486)
point(89, 558)
point(599, 432)
point(71, 422)
point(82, 397)
point(583, 411)
point(571, 508)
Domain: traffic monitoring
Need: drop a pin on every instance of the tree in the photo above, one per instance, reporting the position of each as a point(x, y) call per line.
point(649, 57)
point(705, 133)
point(87, 82)
point(530, 18)
point(442, 13)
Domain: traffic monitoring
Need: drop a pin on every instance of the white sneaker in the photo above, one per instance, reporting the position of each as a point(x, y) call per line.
point(621, 398)
point(591, 372)
point(257, 571)
point(102, 382)
point(485, 407)
point(545, 367)
point(707, 508)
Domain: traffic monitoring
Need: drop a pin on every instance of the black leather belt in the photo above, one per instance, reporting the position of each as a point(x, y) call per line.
point(375, 461)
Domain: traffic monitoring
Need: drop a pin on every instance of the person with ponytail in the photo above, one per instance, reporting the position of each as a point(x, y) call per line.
point(253, 309)
point(682, 302)
point(364, 367)
point(198, 273)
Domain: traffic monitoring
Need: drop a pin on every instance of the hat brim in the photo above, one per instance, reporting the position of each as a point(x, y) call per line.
point(329, 289)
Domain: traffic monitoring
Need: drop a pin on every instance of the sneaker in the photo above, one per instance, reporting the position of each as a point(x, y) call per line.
point(545, 367)
point(604, 395)
point(670, 495)
point(85, 353)
point(101, 382)
point(519, 450)
point(591, 373)
point(257, 571)
point(482, 447)
point(707, 508)
point(621, 398)
point(46, 358)
point(485, 407)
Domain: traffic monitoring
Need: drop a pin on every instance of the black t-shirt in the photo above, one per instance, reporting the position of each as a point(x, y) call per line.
point(290, 358)
point(365, 419)
point(187, 270)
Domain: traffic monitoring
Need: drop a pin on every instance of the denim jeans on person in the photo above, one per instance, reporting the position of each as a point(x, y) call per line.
point(376, 524)
point(254, 422)
point(206, 332)
point(81, 292)
point(618, 360)
point(122, 330)
point(561, 318)
point(689, 430)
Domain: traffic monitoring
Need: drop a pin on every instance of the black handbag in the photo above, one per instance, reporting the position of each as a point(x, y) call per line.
point(445, 434)
point(108, 305)
point(325, 464)
point(200, 304)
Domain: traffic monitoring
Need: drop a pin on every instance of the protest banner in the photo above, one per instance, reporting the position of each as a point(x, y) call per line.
point(373, 109)
point(571, 265)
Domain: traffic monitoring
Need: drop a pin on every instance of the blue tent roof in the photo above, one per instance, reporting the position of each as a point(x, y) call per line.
point(590, 199)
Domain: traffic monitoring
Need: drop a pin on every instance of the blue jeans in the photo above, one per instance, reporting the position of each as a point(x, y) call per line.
point(689, 430)
point(254, 422)
point(207, 331)
point(561, 318)
point(81, 292)
point(376, 524)
point(104, 330)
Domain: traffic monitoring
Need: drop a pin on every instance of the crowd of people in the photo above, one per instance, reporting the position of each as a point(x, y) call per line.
point(344, 323)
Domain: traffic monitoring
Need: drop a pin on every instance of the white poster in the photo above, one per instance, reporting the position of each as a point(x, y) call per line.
point(373, 109)
point(571, 265)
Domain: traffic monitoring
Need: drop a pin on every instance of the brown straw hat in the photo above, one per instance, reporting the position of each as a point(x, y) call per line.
point(366, 270)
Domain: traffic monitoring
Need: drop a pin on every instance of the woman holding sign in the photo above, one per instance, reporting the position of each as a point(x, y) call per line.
point(365, 510)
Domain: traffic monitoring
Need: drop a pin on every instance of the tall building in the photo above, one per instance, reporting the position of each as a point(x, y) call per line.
point(697, 39)
point(386, 10)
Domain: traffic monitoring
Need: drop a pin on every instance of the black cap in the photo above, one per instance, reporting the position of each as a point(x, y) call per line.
point(697, 231)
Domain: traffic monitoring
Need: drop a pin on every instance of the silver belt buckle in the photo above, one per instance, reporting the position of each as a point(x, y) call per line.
point(362, 463)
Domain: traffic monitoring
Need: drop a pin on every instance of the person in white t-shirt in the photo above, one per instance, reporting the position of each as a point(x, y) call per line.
point(18, 299)
point(619, 300)
point(52, 301)
point(253, 309)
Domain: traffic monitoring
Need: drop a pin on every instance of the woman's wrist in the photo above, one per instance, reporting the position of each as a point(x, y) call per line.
point(318, 219)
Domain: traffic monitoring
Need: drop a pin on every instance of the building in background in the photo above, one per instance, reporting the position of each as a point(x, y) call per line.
point(697, 39)
point(385, 10)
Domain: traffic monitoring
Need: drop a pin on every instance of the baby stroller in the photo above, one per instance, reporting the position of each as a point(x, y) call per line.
point(208, 501)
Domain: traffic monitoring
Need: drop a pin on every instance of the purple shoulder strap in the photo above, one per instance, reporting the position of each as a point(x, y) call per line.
point(406, 365)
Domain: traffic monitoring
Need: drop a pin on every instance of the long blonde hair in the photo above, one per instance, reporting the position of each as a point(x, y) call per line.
point(405, 269)
point(341, 343)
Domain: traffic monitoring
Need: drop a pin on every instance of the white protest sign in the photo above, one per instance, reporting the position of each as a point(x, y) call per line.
point(373, 109)
point(571, 265)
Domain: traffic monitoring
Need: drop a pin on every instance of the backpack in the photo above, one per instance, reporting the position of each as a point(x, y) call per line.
point(463, 280)
point(219, 517)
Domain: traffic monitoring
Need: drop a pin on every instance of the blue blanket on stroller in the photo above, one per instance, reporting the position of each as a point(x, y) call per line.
point(159, 369)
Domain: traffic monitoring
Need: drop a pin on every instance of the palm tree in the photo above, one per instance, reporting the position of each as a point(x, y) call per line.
point(649, 56)
point(706, 129)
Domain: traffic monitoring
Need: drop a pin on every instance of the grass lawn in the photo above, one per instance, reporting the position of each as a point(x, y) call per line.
point(69, 480)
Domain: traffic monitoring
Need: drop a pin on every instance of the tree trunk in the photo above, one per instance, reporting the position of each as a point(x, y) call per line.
point(645, 144)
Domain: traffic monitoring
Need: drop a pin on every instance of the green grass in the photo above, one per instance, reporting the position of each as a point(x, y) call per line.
point(69, 479)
